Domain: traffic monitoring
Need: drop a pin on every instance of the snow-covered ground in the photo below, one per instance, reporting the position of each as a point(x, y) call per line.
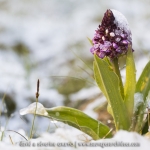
point(71, 139)
point(47, 32)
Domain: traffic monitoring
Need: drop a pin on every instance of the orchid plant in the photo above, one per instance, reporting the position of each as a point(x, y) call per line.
point(127, 103)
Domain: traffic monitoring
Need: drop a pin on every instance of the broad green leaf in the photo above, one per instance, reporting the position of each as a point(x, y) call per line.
point(130, 84)
point(108, 82)
point(115, 65)
point(143, 84)
point(138, 110)
point(80, 120)
point(109, 63)
point(142, 122)
point(138, 117)
point(73, 117)
point(146, 120)
point(109, 109)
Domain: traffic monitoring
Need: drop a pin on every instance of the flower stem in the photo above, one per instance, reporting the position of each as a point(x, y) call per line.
point(37, 95)
point(117, 71)
point(32, 128)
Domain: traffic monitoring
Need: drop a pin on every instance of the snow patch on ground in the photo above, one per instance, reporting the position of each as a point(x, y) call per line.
point(75, 137)
point(85, 94)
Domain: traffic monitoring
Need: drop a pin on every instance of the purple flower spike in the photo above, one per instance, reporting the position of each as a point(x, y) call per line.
point(102, 55)
point(112, 37)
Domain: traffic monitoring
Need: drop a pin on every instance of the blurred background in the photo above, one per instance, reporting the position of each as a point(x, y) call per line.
point(47, 40)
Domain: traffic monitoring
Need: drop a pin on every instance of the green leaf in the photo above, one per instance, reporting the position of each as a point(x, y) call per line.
point(109, 109)
point(73, 117)
point(137, 118)
point(108, 82)
point(115, 65)
point(80, 120)
point(142, 123)
point(143, 84)
point(130, 84)
point(90, 41)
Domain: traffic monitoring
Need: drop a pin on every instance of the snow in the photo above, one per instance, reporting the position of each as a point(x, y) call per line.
point(86, 93)
point(121, 21)
point(48, 29)
point(73, 137)
point(138, 100)
point(35, 107)
point(89, 110)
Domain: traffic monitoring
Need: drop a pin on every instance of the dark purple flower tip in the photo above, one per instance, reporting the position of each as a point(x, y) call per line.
point(112, 37)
